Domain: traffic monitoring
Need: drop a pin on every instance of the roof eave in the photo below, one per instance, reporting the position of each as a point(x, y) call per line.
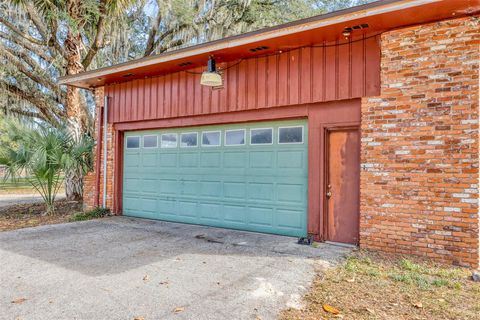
point(316, 22)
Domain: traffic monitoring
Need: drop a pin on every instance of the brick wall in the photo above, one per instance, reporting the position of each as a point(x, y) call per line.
point(89, 179)
point(420, 146)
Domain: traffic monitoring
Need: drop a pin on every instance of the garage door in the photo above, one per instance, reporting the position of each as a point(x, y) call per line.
point(249, 177)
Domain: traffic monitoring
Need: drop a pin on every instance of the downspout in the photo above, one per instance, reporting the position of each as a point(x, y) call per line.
point(105, 132)
point(98, 157)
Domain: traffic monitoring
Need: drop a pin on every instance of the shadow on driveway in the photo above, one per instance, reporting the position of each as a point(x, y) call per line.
point(123, 267)
point(118, 244)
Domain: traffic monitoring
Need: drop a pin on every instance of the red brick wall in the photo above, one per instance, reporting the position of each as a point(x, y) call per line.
point(89, 191)
point(419, 178)
point(89, 180)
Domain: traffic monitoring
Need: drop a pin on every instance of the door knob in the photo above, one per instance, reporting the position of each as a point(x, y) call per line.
point(329, 194)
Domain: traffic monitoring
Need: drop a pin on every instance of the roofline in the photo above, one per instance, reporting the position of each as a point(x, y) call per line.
point(335, 17)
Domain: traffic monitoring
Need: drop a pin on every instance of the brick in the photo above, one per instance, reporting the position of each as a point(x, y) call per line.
point(419, 183)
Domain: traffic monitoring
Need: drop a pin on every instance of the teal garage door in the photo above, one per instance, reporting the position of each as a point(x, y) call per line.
point(249, 177)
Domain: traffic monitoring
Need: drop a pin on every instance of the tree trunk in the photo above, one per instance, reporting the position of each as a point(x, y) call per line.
point(76, 111)
point(74, 185)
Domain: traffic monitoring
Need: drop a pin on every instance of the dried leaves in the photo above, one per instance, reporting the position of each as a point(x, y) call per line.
point(19, 300)
point(328, 308)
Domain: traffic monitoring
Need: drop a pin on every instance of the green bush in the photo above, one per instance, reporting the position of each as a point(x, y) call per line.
point(92, 214)
point(44, 154)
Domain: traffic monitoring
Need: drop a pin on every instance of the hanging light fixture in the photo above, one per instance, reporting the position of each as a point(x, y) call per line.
point(211, 77)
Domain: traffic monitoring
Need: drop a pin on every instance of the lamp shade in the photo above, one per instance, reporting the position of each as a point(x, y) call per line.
point(211, 79)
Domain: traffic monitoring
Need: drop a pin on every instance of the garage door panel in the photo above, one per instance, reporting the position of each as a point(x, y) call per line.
point(260, 191)
point(167, 160)
point(234, 159)
point(149, 186)
point(235, 214)
point(189, 187)
point(210, 159)
point(149, 160)
point(132, 160)
point(259, 187)
point(132, 185)
point(211, 189)
point(188, 160)
point(261, 159)
point(289, 219)
point(187, 208)
point(210, 211)
point(167, 207)
point(149, 205)
point(292, 193)
point(291, 159)
point(234, 190)
point(168, 186)
point(260, 216)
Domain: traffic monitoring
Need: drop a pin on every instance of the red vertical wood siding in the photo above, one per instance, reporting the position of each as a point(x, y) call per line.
point(305, 75)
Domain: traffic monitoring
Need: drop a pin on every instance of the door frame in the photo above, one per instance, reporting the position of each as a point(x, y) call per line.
point(327, 130)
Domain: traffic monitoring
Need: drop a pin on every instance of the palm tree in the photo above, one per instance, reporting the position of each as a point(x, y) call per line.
point(46, 154)
point(41, 40)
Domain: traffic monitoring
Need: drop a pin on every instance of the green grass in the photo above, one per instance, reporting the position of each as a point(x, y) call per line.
point(426, 278)
point(13, 184)
point(92, 214)
point(18, 185)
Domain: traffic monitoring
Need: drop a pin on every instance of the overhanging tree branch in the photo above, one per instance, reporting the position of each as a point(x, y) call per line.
point(33, 74)
point(27, 45)
point(99, 37)
point(24, 35)
point(22, 112)
point(49, 38)
point(33, 99)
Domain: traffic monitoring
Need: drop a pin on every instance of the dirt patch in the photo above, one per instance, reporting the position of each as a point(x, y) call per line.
point(372, 286)
point(33, 214)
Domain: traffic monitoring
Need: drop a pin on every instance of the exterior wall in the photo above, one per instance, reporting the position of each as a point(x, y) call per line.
point(300, 76)
point(419, 178)
point(420, 145)
point(90, 193)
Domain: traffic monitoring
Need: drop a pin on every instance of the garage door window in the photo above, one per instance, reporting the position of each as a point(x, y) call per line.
point(150, 141)
point(290, 135)
point(169, 140)
point(188, 140)
point(235, 137)
point(211, 138)
point(261, 136)
point(133, 142)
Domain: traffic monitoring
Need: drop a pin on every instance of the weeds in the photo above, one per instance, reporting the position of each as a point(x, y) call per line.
point(92, 214)
point(371, 286)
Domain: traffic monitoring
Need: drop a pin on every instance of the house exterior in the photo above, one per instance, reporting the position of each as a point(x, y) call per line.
point(359, 126)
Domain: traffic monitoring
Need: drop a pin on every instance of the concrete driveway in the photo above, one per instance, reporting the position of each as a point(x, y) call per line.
point(123, 268)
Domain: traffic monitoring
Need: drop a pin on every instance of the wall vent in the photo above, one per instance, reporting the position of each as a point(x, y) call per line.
point(184, 64)
point(258, 49)
point(357, 27)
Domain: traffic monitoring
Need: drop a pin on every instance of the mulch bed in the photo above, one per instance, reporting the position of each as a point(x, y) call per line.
point(33, 214)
